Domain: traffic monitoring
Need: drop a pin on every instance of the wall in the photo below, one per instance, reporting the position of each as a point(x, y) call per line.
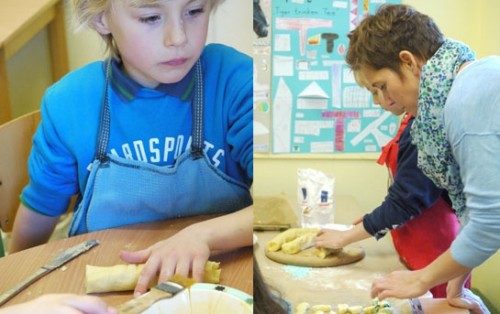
point(477, 24)
point(358, 175)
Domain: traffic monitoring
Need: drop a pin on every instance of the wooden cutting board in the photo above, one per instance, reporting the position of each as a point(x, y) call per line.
point(307, 258)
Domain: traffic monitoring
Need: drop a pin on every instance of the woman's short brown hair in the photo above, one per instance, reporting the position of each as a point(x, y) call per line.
point(378, 39)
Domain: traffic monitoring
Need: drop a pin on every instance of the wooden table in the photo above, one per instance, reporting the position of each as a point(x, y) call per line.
point(349, 284)
point(20, 21)
point(237, 271)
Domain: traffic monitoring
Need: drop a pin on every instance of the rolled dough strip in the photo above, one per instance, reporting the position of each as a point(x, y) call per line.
point(113, 278)
point(287, 236)
point(124, 277)
point(301, 243)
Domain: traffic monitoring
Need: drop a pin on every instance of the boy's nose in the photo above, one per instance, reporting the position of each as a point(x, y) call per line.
point(175, 34)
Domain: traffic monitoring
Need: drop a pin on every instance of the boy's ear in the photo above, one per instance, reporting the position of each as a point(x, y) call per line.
point(409, 61)
point(101, 24)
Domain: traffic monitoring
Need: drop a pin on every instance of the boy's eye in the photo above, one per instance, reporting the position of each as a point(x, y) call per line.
point(195, 12)
point(150, 19)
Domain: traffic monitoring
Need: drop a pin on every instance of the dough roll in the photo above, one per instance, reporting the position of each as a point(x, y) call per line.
point(287, 236)
point(299, 244)
point(124, 277)
point(113, 278)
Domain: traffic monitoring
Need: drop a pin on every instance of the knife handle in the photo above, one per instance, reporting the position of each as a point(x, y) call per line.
point(142, 303)
point(9, 294)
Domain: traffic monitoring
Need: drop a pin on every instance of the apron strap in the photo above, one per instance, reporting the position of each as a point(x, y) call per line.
point(197, 116)
point(104, 124)
point(197, 128)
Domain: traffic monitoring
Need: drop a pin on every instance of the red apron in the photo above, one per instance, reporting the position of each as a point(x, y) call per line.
point(421, 240)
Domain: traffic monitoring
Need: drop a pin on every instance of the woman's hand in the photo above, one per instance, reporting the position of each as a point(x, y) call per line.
point(402, 284)
point(459, 296)
point(181, 254)
point(61, 304)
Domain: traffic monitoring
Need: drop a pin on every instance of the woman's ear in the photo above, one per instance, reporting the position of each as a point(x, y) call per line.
point(101, 24)
point(409, 61)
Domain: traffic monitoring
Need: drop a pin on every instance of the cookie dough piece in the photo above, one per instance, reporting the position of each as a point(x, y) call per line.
point(287, 236)
point(301, 243)
point(357, 309)
point(124, 277)
point(321, 308)
point(212, 272)
point(302, 308)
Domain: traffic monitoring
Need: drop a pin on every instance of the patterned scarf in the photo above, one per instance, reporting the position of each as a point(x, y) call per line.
point(435, 157)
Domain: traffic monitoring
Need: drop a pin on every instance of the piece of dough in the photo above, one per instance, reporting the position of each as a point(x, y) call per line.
point(113, 278)
point(323, 252)
point(300, 243)
point(293, 247)
point(124, 277)
point(287, 236)
point(302, 308)
point(321, 308)
point(212, 272)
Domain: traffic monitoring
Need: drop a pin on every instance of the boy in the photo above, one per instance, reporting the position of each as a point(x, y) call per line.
point(168, 133)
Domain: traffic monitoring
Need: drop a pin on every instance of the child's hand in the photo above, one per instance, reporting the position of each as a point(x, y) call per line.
point(358, 220)
point(61, 303)
point(180, 254)
point(331, 239)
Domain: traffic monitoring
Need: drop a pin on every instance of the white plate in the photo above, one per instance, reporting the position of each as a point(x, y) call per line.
point(255, 239)
point(204, 298)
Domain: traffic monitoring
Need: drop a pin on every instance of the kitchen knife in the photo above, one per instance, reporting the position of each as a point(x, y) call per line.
point(164, 290)
point(57, 262)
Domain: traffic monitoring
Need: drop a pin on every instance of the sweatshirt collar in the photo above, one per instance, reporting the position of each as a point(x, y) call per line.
point(127, 89)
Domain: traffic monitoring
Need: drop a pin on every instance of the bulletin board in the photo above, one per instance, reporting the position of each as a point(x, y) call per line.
point(317, 107)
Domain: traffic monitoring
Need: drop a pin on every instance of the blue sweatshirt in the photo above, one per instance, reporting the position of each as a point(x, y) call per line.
point(149, 125)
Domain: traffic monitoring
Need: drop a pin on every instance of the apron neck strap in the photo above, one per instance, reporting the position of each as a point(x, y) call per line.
point(104, 123)
point(197, 115)
point(197, 112)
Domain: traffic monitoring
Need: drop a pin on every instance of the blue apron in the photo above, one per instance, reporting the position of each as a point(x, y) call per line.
point(120, 191)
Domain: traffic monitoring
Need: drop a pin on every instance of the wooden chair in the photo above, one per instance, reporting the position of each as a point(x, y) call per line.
point(16, 141)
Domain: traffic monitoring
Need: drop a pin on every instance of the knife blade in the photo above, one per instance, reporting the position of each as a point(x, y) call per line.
point(57, 262)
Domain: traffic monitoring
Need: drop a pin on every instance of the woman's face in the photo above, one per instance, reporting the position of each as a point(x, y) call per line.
point(394, 92)
point(378, 96)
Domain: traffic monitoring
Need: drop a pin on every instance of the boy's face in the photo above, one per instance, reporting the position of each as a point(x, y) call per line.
point(159, 42)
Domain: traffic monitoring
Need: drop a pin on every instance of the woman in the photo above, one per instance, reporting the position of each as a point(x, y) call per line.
point(403, 53)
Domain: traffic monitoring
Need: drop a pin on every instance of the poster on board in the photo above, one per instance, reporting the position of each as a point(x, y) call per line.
point(262, 76)
point(317, 107)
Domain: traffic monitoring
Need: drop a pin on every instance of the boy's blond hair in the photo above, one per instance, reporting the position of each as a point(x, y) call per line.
point(88, 11)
